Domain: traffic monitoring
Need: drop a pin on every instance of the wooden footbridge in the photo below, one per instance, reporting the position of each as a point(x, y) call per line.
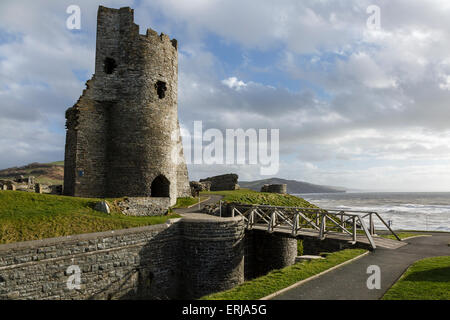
point(335, 224)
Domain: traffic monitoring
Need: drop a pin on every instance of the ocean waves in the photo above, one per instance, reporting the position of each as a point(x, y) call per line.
point(406, 211)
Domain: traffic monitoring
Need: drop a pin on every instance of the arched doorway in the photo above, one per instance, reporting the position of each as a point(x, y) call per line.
point(160, 187)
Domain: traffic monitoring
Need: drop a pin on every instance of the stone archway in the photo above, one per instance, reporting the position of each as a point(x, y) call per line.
point(160, 187)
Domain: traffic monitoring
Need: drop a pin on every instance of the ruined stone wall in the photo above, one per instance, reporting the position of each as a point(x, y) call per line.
point(183, 186)
point(144, 206)
point(85, 163)
point(124, 131)
point(274, 188)
point(223, 182)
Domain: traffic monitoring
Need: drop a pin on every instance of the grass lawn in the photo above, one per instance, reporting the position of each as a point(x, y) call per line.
point(31, 216)
point(280, 279)
point(427, 279)
point(401, 235)
point(188, 201)
point(247, 196)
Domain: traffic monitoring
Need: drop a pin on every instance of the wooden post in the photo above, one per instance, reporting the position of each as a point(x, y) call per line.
point(354, 229)
point(251, 220)
point(272, 221)
point(295, 224)
point(371, 225)
point(367, 232)
point(322, 226)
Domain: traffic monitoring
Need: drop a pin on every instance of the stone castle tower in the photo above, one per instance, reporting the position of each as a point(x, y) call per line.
point(123, 135)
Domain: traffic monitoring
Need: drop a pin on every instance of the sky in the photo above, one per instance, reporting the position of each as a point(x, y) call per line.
point(360, 107)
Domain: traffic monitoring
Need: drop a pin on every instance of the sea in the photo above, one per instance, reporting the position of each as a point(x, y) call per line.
point(403, 210)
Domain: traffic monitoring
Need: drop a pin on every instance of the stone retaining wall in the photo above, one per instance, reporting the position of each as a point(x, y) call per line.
point(132, 263)
point(213, 255)
point(265, 252)
point(182, 259)
point(186, 258)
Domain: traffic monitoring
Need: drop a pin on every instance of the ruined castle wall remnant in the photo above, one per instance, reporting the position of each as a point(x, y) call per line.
point(123, 136)
point(223, 182)
point(274, 188)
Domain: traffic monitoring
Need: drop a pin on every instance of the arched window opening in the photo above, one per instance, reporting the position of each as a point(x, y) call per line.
point(110, 65)
point(161, 89)
point(160, 187)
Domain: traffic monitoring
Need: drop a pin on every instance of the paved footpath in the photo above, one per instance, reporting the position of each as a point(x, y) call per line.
point(195, 209)
point(349, 281)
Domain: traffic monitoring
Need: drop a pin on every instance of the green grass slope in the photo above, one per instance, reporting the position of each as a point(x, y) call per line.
point(31, 216)
point(247, 196)
point(186, 202)
point(427, 279)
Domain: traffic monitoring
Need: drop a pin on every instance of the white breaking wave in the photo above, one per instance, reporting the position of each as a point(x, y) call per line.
point(403, 216)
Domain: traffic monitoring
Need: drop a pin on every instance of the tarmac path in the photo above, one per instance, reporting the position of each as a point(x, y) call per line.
point(350, 281)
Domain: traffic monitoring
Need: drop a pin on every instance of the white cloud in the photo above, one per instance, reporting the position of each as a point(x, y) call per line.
point(379, 99)
point(445, 85)
point(234, 83)
point(37, 79)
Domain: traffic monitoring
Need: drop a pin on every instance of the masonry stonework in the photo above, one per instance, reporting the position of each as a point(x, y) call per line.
point(274, 188)
point(214, 251)
point(144, 206)
point(267, 251)
point(123, 135)
point(222, 182)
point(183, 259)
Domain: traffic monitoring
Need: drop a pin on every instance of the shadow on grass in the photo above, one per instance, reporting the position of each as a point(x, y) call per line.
point(432, 275)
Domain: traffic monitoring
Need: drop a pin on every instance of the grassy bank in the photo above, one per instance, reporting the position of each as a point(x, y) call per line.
point(30, 216)
point(247, 196)
point(427, 279)
point(280, 279)
point(401, 235)
point(188, 201)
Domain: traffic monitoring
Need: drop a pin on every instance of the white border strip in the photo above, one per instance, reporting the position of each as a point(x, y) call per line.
point(421, 235)
point(270, 296)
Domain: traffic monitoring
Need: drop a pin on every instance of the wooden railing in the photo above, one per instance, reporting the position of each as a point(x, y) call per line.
point(322, 221)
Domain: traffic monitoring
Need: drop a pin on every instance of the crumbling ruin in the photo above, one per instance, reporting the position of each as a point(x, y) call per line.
point(8, 185)
point(223, 182)
point(274, 188)
point(123, 136)
point(197, 187)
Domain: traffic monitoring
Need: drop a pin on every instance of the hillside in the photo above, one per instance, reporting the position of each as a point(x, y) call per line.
point(53, 173)
point(293, 186)
point(46, 173)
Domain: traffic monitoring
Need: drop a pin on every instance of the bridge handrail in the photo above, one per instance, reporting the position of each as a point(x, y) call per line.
point(352, 216)
point(302, 208)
